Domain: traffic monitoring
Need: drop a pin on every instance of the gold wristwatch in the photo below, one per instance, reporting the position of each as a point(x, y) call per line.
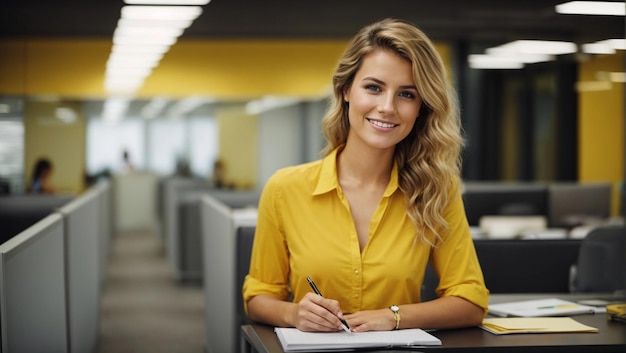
point(396, 315)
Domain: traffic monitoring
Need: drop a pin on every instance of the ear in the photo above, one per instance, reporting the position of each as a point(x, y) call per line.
point(346, 93)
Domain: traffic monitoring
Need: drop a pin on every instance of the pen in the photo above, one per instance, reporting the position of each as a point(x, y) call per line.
point(344, 324)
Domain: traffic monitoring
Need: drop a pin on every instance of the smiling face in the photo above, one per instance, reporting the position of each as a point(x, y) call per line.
point(383, 101)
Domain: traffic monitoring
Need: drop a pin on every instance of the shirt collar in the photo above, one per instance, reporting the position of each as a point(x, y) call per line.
point(328, 175)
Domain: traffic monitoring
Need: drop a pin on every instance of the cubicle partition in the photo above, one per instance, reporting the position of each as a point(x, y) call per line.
point(18, 212)
point(134, 197)
point(83, 274)
point(33, 308)
point(106, 221)
point(181, 220)
point(219, 247)
point(171, 194)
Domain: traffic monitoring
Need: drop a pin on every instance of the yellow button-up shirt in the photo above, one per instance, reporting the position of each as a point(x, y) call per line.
point(305, 228)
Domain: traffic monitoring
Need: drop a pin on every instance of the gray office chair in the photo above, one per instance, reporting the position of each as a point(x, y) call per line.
point(601, 265)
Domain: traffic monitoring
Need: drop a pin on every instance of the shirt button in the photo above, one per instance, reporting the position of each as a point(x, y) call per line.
point(356, 272)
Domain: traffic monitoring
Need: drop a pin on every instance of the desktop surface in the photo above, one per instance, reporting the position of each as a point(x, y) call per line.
point(610, 338)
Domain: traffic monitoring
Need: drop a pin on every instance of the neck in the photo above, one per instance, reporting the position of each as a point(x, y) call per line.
point(365, 167)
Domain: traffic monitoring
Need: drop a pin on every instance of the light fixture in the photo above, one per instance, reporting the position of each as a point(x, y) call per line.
point(267, 103)
point(115, 108)
point(607, 8)
point(142, 36)
point(161, 13)
point(153, 108)
point(481, 61)
point(545, 47)
point(167, 2)
point(607, 46)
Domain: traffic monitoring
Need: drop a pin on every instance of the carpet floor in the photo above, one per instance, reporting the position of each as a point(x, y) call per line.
point(144, 309)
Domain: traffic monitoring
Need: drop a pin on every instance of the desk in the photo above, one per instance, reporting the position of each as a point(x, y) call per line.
point(611, 338)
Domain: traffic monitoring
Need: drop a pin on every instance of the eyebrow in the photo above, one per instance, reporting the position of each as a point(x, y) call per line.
point(383, 83)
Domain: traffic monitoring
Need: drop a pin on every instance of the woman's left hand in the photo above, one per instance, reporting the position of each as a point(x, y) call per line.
point(371, 320)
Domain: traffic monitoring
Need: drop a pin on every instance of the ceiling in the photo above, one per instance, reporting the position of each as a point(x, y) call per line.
point(478, 21)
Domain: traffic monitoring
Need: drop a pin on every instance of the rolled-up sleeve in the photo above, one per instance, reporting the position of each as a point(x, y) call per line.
point(455, 260)
point(269, 262)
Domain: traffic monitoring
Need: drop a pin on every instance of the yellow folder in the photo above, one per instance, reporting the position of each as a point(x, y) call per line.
point(509, 325)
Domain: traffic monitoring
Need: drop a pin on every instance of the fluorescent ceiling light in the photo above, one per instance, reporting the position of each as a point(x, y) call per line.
point(610, 8)
point(480, 61)
point(139, 49)
point(145, 41)
point(593, 86)
point(535, 47)
point(131, 63)
point(145, 32)
point(67, 115)
point(268, 103)
point(607, 46)
point(167, 2)
point(134, 57)
point(164, 13)
point(618, 44)
point(153, 108)
point(617, 77)
point(124, 22)
point(597, 48)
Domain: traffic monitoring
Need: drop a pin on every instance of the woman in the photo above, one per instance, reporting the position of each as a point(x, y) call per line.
point(364, 221)
point(40, 180)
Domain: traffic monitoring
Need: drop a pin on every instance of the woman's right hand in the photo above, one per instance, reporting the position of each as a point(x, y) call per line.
point(316, 313)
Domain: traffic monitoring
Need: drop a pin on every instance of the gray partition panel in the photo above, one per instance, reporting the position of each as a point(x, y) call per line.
point(219, 227)
point(32, 289)
point(18, 212)
point(82, 241)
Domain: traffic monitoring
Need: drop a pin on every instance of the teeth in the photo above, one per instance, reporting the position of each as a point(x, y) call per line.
point(381, 124)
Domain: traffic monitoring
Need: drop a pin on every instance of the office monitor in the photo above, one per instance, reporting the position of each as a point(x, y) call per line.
point(32, 289)
point(574, 204)
point(502, 199)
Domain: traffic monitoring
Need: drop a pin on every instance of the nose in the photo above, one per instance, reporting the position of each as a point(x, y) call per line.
point(386, 104)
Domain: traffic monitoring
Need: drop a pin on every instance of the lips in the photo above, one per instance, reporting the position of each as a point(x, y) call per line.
point(382, 124)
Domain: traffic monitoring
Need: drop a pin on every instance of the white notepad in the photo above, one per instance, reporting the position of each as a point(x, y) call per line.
point(294, 340)
point(539, 308)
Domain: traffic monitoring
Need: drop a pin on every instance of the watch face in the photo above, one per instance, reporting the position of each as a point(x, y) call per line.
point(394, 308)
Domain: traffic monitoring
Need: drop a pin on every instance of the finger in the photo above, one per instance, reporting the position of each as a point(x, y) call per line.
point(313, 317)
point(324, 309)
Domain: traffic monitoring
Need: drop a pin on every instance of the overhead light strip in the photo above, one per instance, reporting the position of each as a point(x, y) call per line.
point(145, 32)
point(606, 8)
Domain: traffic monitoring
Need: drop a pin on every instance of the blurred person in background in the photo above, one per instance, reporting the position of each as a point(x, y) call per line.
point(40, 180)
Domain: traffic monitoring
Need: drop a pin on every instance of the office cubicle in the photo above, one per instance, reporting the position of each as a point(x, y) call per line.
point(33, 309)
point(219, 251)
point(106, 221)
point(170, 223)
point(18, 212)
point(180, 220)
point(83, 274)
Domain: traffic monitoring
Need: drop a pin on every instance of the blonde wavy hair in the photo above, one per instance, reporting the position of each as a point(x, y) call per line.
point(428, 158)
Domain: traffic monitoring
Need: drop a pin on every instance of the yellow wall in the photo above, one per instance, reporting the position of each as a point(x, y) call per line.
point(238, 146)
point(63, 143)
point(601, 125)
point(237, 69)
point(220, 69)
